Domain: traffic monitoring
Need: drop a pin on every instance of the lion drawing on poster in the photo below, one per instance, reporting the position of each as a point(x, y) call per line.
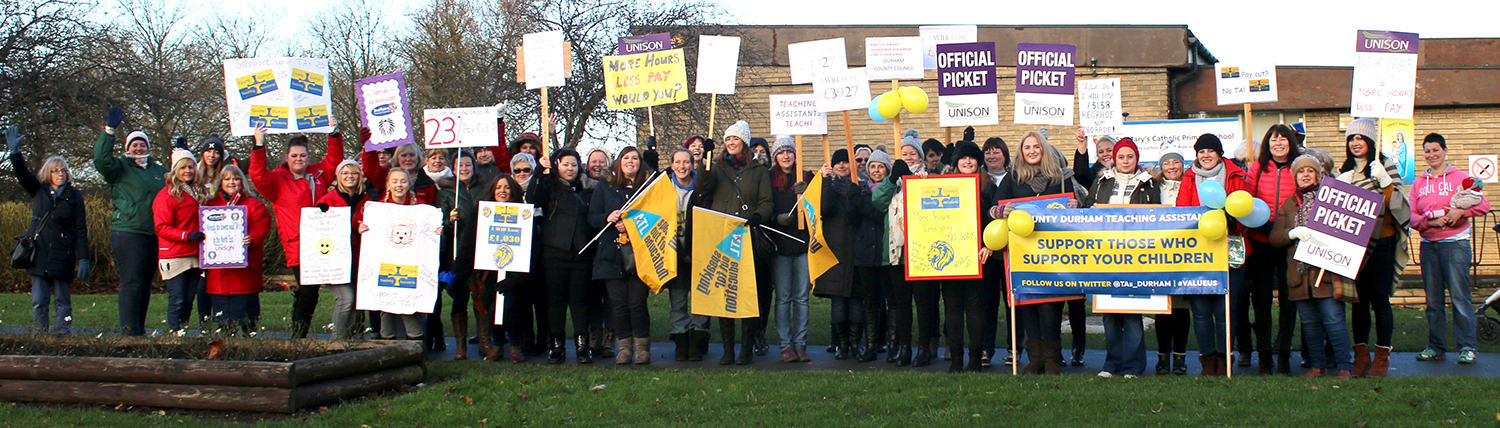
point(403, 233)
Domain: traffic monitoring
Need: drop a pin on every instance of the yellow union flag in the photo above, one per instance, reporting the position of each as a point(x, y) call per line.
point(724, 284)
point(651, 221)
point(645, 79)
point(819, 257)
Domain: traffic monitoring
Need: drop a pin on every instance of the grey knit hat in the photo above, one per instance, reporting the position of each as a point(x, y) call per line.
point(783, 144)
point(1366, 127)
point(910, 139)
point(1170, 155)
point(880, 158)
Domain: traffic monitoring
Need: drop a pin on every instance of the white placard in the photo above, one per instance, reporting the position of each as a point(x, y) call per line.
point(968, 110)
point(1245, 83)
point(718, 61)
point(503, 240)
point(933, 35)
point(889, 58)
point(460, 127)
point(808, 58)
point(499, 308)
point(287, 95)
point(1153, 136)
point(224, 229)
point(1385, 75)
point(327, 253)
point(797, 114)
point(1099, 111)
point(1483, 168)
point(398, 258)
point(1044, 109)
point(1325, 251)
point(545, 65)
point(842, 90)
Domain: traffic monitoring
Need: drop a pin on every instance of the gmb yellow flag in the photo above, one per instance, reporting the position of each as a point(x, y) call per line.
point(651, 221)
point(819, 257)
point(724, 285)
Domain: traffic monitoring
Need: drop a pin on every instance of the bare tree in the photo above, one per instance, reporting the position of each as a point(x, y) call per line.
point(174, 86)
point(353, 35)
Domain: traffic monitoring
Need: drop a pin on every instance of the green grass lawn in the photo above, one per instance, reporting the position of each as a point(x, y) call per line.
point(101, 311)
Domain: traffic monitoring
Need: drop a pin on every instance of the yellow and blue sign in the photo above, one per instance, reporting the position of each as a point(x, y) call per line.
point(257, 84)
point(269, 116)
point(505, 231)
point(1118, 251)
point(942, 227)
point(651, 223)
point(724, 260)
point(306, 81)
point(312, 117)
point(397, 276)
point(819, 257)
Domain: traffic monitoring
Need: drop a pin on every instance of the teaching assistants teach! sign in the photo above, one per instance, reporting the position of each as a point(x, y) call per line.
point(942, 227)
point(1118, 251)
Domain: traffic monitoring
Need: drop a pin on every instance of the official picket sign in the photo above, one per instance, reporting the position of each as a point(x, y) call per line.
point(398, 258)
point(224, 229)
point(842, 90)
point(1118, 251)
point(934, 35)
point(285, 95)
point(1044, 83)
point(942, 227)
point(718, 62)
point(1385, 75)
point(1099, 111)
point(967, 95)
point(505, 235)
point(1245, 83)
point(724, 266)
point(1343, 216)
point(460, 127)
point(894, 58)
point(809, 58)
point(797, 114)
point(645, 79)
point(327, 256)
point(384, 109)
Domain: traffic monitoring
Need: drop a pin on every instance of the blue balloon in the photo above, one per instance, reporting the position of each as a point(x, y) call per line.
point(875, 110)
point(1259, 214)
point(1211, 194)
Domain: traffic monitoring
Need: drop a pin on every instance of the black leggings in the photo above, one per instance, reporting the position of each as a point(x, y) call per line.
point(1172, 330)
point(1374, 285)
point(567, 291)
point(993, 291)
point(1266, 266)
point(304, 304)
point(1078, 319)
point(964, 303)
point(899, 303)
point(1043, 321)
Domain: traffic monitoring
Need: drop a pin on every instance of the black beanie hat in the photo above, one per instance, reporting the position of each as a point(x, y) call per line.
point(840, 156)
point(933, 145)
point(1209, 141)
point(967, 149)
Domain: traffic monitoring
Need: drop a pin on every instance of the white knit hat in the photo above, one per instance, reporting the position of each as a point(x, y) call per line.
point(180, 154)
point(137, 134)
point(739, 129)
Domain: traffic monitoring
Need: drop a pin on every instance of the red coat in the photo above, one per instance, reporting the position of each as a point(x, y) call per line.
point(421, 185)
point(1272, 187)
point(1238, 180)
point(289, 195)
point(175, 218)
point(248, 279)
point(356, 215)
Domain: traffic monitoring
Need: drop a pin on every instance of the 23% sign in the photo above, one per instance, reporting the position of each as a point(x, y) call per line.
point(460, 127)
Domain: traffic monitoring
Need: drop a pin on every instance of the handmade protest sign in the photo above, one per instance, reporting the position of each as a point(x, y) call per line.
point(718, 61)
point(967, 95)
point(942, 227)
point(506, 232)
point(724, 266)
point(1343, 216)
point(1396, 141)
point(327, 256)
point(1044, 83)
point(934, 35)
point(1385, 74)
point(398, 258)
point(384, 110)
point(544, 60)
point(808, 58)
point(224, 229)
point(1153, 137)
point(842, 90)
point(797, 114)
point(820, 258)
point(651, 222)
point(645, 79)
point(460, 127)
point(1245, 83)
point(286, 95)
point(1118, 251)
point(889, 58)
point(1099, 111)
point(630, 45)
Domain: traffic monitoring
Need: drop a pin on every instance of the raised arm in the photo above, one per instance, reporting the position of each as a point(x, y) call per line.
point(23, 174)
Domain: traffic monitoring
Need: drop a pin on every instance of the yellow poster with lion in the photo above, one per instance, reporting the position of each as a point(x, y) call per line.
point(942, 227)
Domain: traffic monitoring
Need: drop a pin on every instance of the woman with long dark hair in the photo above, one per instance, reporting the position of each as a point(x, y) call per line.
point(627, 292)
point(501, 188)
point(565, 201)
point(1366, 167)
point(456, 198)
point(1271, 181)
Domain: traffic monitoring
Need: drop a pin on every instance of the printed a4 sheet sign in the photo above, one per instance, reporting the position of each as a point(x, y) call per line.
point(286, 95)
point(1044, 83)
point(1245, 83)
point(505, 234)
point(966, 85)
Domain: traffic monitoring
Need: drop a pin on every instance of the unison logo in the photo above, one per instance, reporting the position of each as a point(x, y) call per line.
point(953, 109)
point(1038, 108)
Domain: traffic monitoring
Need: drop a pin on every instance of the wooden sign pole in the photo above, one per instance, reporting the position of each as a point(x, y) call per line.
point(713, 107)
point(849, 142)
point(896, 124)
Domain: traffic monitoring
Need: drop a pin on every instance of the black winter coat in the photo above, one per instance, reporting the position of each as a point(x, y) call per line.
point(608, 262)
point(1148, 192)
point(845, 205)
point(64, 237)
point(567, 228)
point(785, 201)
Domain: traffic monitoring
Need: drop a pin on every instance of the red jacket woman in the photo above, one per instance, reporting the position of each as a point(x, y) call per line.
point(248, 279)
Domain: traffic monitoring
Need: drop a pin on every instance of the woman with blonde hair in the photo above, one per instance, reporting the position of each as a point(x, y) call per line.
point(348, 190)
point(175, 213)
point(398, 191)
point(62, 236)
point(235, 292)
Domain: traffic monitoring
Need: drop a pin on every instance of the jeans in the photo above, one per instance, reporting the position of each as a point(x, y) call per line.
point(1445, 269)
point(1375, 283)
point(1323, 326)
point(345, 320)
point(1125, 344)
point(1209, 320)
point(1043, 321)
point(630, 315)
point(964, 303)
point(304, 303)
point(567, 291)
point(236, 311)
point(43, 289)
point(390, 323)
point(181, 290)
point(681, 317)
point(847, 310)
point(792, 289)
point(135, 259)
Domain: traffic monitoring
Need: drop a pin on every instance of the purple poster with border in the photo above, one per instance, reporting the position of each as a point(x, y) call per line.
point(630, 45)
point(1385, 75)
point(1386, 42)
point(1342, 218)
point(385, 110)
point(224, 229)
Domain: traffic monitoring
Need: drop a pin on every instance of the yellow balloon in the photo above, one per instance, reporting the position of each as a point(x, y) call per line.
point(889, 104)
point(914, 99)
point(1213, 225)
point(996, 235)
point(1239, 203)
point(1021, 223)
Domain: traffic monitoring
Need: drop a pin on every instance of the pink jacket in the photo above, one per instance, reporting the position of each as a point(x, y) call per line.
point(1430, 195)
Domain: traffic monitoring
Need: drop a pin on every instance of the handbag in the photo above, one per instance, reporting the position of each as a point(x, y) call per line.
point(627, 257)
point(24, 255)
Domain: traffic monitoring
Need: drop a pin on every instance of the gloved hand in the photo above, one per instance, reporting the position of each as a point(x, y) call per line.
point(1299, 233)
point(650, 158)
point(1346, 177)
point(1073, 203)
point(800, 187)
point(784, 219)
point(996, 211)
point(84, 269)
point(116, 116)
point(708, 145)
point(969, 134)
point(1378, 172)
point(195, 236)
point(180, 143)
point(1006, 209)
point(754, 221)
point(651, 142)
point(364, 135)
point(446, 277)
point(323, 207)
point(899, 168)
point(13, 138)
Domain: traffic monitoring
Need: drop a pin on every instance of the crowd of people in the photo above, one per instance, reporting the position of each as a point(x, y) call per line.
point(592, 285)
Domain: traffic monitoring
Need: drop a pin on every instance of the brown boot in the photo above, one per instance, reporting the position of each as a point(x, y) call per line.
point(461, 331)
point(1344, 374)
point(642, 350)
point(1052, 357)
point(622, 351)
point(1382, 362)
point(1314, 372)
point(1207, 362)
point(1361, 360)
point(1034, 355)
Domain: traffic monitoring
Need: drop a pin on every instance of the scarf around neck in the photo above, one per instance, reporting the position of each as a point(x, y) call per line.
point(1305, 196)
point(1216, 173)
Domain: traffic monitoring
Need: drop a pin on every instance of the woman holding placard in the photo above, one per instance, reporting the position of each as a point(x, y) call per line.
point(1271, 182)
point(235, 292)
point(502, 188)
point(1039, 173)
point(456, 199)
point(398, 191)
point(846, 206)
point(58, 222)
point(349, 191)
point(1309, 287)
point(1125, 184)
point(964, 299)
point(1443, 200)
point(923, 295)
point(1211, 170)
point(530, 297)
point(176, 217)
point(561, 194)
point(627, 292)
point(1386, 255)
point(1172, 329)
